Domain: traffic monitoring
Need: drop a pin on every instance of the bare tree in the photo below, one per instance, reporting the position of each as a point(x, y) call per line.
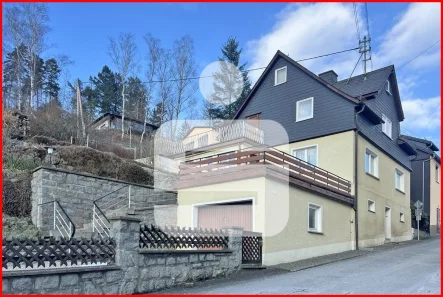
point(153, 57)
point(35, 21)
point(123, 52)
point(13, 32)
point(165, 86)
point(183, 68)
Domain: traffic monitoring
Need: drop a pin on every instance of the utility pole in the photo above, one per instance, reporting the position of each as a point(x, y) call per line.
point(365, 47)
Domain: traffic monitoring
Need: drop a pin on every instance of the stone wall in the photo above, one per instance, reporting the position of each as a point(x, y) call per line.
point(134, 271)
point(76, 193)
point(82, 280)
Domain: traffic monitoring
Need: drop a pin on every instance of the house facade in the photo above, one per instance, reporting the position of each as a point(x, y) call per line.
point(114, 121)
point(425, 179)
point(341, 179)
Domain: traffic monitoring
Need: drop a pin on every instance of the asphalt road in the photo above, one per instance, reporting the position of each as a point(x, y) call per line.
point(410, 269)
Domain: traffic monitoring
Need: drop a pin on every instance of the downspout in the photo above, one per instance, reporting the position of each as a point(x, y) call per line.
point(356, 173)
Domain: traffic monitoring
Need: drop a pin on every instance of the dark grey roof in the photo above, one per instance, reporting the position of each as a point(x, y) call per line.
point(358, 86)
point(421, 144)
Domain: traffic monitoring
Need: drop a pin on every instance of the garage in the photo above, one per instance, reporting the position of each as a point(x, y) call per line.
point(233, 214)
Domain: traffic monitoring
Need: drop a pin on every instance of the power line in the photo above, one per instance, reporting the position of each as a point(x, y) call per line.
point(245, 71)
point(418, 55)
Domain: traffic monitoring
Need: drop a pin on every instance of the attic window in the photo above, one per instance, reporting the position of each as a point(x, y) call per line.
point(280, 75)
point(386, 126)
point(388, 87)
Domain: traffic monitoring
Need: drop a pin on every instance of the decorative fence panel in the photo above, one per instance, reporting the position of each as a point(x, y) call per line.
point(176, 238)
point(52, 252)
point(252, 243)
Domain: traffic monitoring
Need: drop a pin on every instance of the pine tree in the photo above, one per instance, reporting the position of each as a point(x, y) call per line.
point(51, 73)
point(155, 116)
point(228, 83)
point(108, 86)
point(136, 99)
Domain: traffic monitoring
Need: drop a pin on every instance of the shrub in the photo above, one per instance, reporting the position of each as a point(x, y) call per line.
point(49, 141)
point(17, 194)
point(18, 227)
point(20, 163)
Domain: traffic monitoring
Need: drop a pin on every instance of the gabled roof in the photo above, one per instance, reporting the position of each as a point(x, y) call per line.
point(293, 62)
point(112, 115)
point(424, 145)
point(375, 81)
point(359, 86)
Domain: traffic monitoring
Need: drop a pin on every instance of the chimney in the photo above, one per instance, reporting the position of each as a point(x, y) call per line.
point(329, 76)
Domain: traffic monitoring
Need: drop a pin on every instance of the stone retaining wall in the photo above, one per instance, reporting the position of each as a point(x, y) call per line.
point(76, 192)
point(134, 271)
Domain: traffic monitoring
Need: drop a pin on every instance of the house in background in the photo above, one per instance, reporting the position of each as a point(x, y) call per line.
point(343, 166)
point(425, 179)
point(114, 121)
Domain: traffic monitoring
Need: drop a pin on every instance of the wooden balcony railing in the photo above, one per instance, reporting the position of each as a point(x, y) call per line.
point(226, 163)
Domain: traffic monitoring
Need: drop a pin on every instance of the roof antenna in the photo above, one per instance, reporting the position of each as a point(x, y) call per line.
point(365, 47)
point(354, 69)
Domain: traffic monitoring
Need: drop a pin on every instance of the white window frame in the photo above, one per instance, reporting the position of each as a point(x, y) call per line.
point(318, 218)
point(437, 174)
point(297, 118)
point(388, 87)
point(305, 148)
point(375, 156)
point(384, 126)
point(401, 176)
point(275, 75)
point(402, 217)
point(371, 207)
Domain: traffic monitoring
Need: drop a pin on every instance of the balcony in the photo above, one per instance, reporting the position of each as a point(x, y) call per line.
point(238, 130)
point(255, 162)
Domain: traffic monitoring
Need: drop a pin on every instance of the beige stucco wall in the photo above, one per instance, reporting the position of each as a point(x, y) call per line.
point(435, 193)
point(335, 153)
point(382, 191)
point(189, 199)
point(280, 212)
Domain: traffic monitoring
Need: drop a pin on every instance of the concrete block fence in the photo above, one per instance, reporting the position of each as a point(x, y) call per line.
point(135, 270)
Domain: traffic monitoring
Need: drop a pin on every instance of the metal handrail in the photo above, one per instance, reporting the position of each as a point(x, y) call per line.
point(110, 193)
point(64, 212)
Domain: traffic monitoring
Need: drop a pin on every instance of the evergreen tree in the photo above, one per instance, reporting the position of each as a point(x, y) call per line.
point(15, 76)
point(107, 87)
point(228, 83)
point(155, 117)
point(136, 99)
point(52, 73)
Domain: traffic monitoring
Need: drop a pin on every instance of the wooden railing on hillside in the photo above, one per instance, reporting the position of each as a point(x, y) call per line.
point(223, 163)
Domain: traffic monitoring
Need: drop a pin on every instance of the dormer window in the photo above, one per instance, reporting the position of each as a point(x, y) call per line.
point(388, 87)
point(280, 76)
point(386, 126)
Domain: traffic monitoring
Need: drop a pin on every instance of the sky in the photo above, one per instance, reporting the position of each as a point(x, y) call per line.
point(399, 32)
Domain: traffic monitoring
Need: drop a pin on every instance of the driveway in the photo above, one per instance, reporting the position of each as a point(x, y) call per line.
point(412, 268)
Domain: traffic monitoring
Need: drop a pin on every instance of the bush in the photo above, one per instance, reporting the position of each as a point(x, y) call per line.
point(20, 163)
point(52, 121)
point(17, 194)
point(48, 141)
point(18, 227)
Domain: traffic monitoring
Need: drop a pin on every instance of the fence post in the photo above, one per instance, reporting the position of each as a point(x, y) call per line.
point(235, 235)
point(126, 233)
point(129, 197)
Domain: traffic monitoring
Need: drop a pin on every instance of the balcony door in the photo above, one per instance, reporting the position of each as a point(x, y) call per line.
point(254, 120)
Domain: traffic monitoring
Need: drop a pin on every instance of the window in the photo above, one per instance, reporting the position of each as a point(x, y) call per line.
point(399, 180)
point(280, 75)
point(305, 109)
point(307, 154)
point(386, 126)
point(371, 163)
point(371, 206)
point(388, 87)
point(436, 174)
point(315, 218)
point(402, 217)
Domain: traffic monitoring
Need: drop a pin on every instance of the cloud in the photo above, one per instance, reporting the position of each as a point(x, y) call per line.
point(307, 30)
point(422, 115)
point(417, 28)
